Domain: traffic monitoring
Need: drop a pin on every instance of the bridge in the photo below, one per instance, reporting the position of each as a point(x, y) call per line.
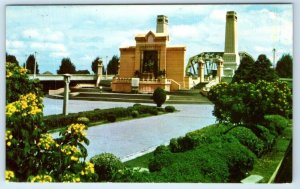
point(74, 77)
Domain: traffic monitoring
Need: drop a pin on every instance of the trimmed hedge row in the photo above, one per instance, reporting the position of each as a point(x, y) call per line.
point(218, 162)
point(60, 121)
point(229, 155)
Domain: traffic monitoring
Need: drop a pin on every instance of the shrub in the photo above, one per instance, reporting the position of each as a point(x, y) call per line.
point(159, 96)
point(198, 138)
point(264, 134)
point(248, 139)
point(153, 111)
point(106, 165)
point(134, 114)
point(170, 109)
point(83, 120)
point(111, 117)
point(162, 149)
point(31, 153)
point(276, 123)
point(255, 100)
point(160, 161)
point(191, 166)
point(131, 175)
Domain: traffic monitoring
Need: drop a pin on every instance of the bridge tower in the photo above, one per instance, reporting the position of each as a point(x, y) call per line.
point(231, 55)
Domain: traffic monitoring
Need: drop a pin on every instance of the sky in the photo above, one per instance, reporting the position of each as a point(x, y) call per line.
point(84, 32)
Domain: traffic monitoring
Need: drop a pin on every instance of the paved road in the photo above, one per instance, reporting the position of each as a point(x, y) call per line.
point(132, 138)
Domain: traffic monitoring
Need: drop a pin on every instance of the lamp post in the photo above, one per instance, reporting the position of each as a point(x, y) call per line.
point(274, 51)
point(67, 79)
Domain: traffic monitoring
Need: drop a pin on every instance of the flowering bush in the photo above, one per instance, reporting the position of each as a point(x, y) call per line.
point(31, 153)
point(248, 102)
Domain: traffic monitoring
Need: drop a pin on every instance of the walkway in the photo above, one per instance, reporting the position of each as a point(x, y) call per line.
point(129, 139)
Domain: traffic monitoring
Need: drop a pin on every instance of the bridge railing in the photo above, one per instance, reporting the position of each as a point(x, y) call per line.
point(75, 77)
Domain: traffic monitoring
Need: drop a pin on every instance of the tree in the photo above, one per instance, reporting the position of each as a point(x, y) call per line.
point(253, 72)
point(112, 66)
point(284, 67)
point(30, 63)
point(66, 67)
point(95, 65)
point(82, 72)
point(12, 59)
point(159, 96)
point(244, 71)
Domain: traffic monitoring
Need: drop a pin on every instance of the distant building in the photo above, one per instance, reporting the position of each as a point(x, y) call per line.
point(152, 61)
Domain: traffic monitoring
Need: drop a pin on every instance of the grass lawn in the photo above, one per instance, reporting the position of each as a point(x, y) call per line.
point(141, 161)
point(267, 164)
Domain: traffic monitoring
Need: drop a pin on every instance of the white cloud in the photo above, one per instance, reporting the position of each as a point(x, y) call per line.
point(59, 54)
point(14, 44)
point(31, 33)
point(218, 15)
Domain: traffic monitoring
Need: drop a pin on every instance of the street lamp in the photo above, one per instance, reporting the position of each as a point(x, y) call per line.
point(274, 51)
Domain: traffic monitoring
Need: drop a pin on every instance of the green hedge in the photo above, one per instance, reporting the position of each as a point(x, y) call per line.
point(217, 162)
point(60, 121)
point(275, 123)
point(248, 139)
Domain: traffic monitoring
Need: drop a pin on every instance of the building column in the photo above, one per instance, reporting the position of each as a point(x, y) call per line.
point(201, 70)
point(67, 79)
point(220, 63)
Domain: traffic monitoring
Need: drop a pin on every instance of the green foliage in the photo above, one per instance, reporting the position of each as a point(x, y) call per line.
point(249, 71)
point(134, 113)
point(112, 66)
point(264, 134)
point(131, 175)
point(95, 65)
point(83, 120)
point(82, 72)
point(248, 139)
point(31, 153)
point(284, 67)
point(162, 149)
point(247, 103)
point(59, 121)
point(159, 96)
point(66, 67)
point(170, 109)
point(30, 63)
point(276, 124)
point(12, 59)
point(217, 162)
point(111, 117)
point(106, 165)
point(244, 71)
point(18, 83)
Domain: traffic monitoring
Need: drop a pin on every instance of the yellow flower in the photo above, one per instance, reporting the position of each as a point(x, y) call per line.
point(8, 143)
point(73, 158)
point(8, 74)
point(9, 175)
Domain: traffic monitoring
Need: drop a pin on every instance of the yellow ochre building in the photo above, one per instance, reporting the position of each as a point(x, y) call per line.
point(151, 63)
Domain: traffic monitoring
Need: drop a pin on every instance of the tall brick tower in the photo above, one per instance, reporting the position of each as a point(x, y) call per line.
point(162, 24)
point(231, 55)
